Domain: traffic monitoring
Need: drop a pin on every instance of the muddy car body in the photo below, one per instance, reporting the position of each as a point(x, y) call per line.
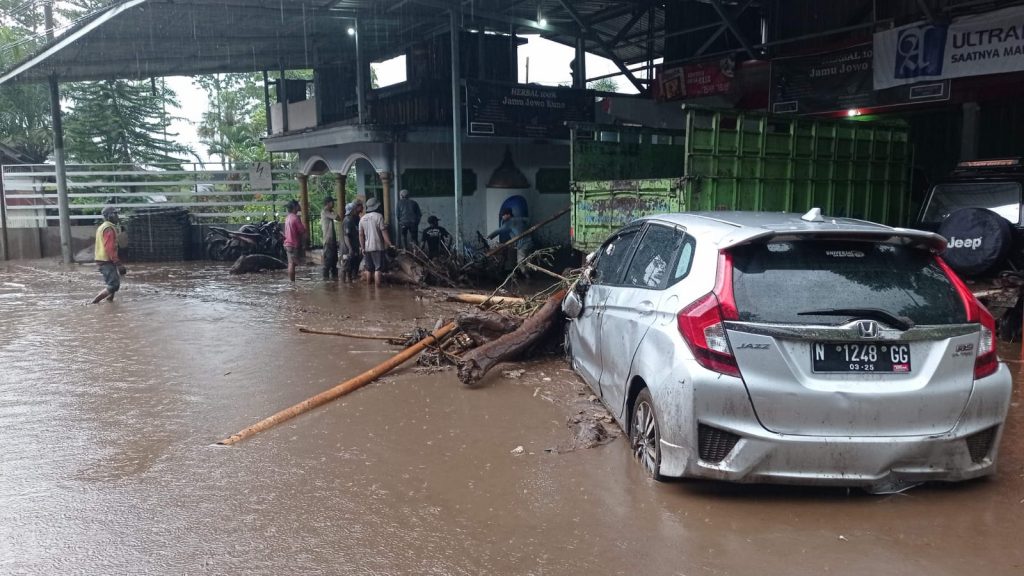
point(777, 348)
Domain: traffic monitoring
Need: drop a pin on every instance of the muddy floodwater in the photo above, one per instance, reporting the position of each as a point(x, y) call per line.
point(109, 415)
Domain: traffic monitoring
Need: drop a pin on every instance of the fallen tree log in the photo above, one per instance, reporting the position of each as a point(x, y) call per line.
point(341, 389)
point(484, 299)
point(256, 263)
point(477, 362)
point(482, 327)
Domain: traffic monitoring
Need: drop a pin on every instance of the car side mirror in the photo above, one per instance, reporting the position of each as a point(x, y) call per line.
point(590, 258)
point(572, 305)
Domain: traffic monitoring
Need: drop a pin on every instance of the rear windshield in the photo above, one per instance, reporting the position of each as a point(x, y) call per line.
point(1003, 198)
point(775, 282)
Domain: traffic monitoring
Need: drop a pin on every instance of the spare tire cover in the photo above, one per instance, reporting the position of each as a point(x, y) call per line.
point(979, 240)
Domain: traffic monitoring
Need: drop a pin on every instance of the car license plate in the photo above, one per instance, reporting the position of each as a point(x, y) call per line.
point(860, 357)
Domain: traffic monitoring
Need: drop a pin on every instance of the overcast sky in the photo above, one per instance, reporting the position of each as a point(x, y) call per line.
point(549, 64)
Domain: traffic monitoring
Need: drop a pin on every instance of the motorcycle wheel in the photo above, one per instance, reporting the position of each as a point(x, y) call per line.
point(215, 249)
point(230, 252)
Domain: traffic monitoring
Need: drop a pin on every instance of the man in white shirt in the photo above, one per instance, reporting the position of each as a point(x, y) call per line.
point(374, 241)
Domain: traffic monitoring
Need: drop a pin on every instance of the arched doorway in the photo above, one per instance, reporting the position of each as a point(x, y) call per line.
point(363, 181)
point(320, 183)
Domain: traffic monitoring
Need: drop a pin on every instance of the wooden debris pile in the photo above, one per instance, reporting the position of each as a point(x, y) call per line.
point(501, 329)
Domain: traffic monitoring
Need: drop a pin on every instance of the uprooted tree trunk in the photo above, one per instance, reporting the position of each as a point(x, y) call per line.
point(482, 327)
point(406, 271)
point(477, 362)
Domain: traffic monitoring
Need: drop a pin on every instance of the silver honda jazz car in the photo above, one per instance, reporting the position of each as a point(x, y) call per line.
point(781, 348)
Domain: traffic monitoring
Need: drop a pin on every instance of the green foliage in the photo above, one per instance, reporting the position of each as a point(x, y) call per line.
point(24, 108)
point(122, 121)
point(236, 119)
point(604, 85)
point(111, 122)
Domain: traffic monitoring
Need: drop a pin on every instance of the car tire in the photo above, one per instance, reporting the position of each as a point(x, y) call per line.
point(979, 240)
point(645, 434)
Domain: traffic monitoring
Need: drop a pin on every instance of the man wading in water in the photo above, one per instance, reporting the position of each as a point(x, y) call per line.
point(294, 238)
point(106, 255)
point(327, 218)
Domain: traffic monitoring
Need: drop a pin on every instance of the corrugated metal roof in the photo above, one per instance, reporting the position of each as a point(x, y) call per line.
point(147, 38)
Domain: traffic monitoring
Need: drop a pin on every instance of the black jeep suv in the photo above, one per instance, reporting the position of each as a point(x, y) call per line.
point(978, 210)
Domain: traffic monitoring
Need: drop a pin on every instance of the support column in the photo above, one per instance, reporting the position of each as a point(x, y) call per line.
point(456, 127)
point(969, 131)
point(580, 78)
point(360, 76)
point(385, 181)
point(5, 252)
point(63, 208)
point(304, 205)
point(339, 189)
point(282, 99)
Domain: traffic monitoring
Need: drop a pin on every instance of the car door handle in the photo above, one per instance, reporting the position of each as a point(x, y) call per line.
point(645, 307)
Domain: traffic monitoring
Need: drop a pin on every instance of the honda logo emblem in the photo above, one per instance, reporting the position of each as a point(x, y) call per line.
point(868, 328)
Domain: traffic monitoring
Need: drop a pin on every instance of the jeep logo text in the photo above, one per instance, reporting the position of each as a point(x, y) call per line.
point(972, 243)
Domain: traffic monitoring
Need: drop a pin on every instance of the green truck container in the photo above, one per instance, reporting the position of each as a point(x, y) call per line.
point(725, 160)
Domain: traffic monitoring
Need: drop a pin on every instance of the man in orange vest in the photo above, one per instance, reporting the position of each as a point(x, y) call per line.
point(106, 255)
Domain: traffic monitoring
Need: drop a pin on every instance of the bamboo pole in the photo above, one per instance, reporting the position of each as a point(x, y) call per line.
point(535, 268)
point(526, 232)
point(341, 389)
point(305, 330)
point(484, 299)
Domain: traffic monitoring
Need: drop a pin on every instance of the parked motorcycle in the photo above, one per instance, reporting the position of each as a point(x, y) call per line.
point(263, 238)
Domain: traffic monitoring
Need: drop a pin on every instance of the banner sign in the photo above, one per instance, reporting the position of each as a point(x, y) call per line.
point(990, 43)
point(531, 111)
point(839, 80)
point(695, 80)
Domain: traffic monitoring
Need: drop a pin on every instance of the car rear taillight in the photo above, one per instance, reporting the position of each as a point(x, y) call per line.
point(987, 361)
point(702, 324)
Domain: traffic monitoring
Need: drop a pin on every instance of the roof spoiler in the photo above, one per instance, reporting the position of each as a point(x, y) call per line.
point(902, 236)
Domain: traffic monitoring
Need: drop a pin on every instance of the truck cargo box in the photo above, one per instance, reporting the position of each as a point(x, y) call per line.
point(726, 160)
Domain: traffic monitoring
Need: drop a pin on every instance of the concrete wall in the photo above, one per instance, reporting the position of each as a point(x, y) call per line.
point(480, 211)
point(482, 159)
point(301, 115)
point(29, 243)
point(32, 243)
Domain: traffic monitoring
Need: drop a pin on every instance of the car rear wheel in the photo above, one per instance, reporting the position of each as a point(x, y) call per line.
point(645, 434)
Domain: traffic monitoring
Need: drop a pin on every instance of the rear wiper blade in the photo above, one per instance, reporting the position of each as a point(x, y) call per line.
point(898, 322)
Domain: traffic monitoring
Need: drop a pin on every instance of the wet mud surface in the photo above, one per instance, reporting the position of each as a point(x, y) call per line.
point(109, 415)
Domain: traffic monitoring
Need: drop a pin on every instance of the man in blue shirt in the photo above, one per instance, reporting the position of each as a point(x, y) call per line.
point(509, 229)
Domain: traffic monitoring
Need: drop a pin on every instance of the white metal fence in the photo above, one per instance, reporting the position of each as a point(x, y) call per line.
point(210, 192)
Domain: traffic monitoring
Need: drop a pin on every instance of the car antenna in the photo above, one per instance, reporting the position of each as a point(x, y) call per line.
point(813, 215)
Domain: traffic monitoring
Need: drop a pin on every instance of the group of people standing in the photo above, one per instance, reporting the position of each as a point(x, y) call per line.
point(364, 239)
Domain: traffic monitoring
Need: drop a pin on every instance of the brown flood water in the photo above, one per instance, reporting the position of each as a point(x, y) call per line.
point(109, 413)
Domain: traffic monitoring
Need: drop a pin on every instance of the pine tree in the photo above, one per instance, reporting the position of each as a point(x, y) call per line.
point(118, 121)
point(123, 122)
